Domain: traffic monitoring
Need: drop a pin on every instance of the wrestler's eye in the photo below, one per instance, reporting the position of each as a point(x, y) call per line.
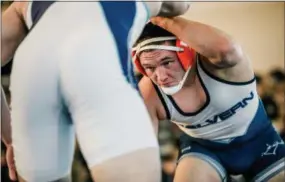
point(167, 63)
point(149, 68)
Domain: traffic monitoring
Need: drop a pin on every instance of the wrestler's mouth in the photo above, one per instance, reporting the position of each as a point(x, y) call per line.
point(168, 84)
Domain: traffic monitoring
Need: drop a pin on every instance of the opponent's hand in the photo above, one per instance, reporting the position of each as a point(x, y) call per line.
point(11, 163)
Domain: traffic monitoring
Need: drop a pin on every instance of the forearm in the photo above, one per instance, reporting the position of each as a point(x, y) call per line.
point(209, 41)
point(205, 39)
point(5, 120)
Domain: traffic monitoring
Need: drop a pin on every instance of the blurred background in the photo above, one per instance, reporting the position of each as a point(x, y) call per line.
point(258, 27)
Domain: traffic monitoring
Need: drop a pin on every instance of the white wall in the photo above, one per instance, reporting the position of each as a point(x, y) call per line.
point(257, 26)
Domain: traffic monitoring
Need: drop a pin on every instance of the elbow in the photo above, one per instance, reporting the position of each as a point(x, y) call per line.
point(229, 55)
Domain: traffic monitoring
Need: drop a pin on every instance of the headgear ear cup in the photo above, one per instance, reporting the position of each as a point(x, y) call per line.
point(187, 56)
point(137, 63)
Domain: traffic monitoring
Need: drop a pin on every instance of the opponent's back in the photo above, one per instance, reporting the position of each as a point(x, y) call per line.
point(67, 74)
point(124, 20)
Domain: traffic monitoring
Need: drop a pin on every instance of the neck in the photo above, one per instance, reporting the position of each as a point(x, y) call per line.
point(190, 80)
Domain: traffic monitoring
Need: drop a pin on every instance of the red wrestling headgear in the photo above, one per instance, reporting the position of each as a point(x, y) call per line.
point(185, 54)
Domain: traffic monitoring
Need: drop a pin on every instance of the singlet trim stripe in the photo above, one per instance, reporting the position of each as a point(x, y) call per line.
point(225, 81)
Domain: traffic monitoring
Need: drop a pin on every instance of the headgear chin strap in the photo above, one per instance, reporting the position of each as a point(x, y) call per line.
point(174, 89)
point(184, 53)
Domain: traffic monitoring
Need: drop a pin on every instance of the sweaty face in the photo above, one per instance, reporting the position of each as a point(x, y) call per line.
point(162, 67)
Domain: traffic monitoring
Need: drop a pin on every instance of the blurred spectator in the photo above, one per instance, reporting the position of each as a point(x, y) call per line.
point(168, 149)
point(80, 170)
point(282, 133)
point(267, 98)
point(278, 78)
point(168, 166)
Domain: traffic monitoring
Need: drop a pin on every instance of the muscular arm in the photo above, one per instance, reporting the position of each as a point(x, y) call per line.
point(221, 55)
point(212, 43)
point(13, 30)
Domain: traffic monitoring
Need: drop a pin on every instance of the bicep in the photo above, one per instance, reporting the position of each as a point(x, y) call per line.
point(12, 33)
point(230, 73)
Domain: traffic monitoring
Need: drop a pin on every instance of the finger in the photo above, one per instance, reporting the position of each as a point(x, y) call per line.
point(12, 170)
point(11, 165)
point(12, 174)
point(161, 21)
point(10, 161)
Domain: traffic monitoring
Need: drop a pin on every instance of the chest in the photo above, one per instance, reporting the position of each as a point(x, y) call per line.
point(203, 102)
point(190, 99)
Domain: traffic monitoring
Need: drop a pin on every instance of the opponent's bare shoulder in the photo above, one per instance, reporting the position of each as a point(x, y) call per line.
point(151, 99)
point(19, 9)
point(22, 7)
point(148, 91)
point(13, 29)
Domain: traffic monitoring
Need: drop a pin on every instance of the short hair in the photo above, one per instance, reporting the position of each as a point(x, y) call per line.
point(151, 31)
